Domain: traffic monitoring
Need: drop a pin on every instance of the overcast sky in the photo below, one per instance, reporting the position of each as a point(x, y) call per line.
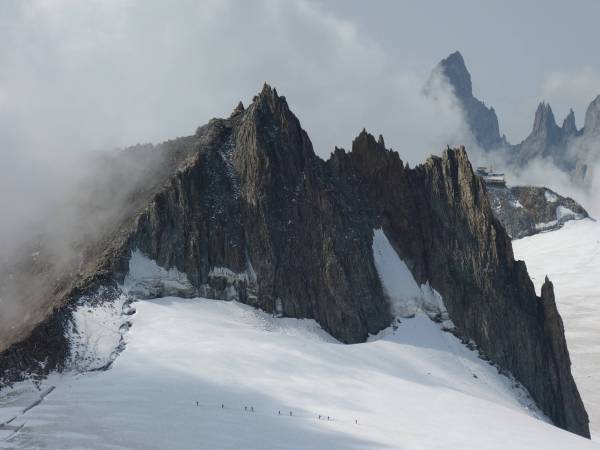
point(97, 74)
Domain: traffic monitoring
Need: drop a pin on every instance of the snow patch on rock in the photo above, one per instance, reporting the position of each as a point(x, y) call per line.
point(407, 298)
point(563, 213)
point(248, 276)
point(550, 196)
point(146, 279)
point(545, 226)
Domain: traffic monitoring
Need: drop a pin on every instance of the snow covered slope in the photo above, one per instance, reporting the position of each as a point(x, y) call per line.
point(415, 387)
point(571, 259)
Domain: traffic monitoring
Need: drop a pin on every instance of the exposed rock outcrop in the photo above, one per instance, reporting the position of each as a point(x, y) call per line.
point(527, 210)
point(253, 214)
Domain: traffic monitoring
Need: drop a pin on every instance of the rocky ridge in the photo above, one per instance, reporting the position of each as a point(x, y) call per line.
point(249, 212)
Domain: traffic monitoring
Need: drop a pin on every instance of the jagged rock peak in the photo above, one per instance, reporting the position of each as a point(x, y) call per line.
point(270, 145)
point(482, 120)
point(459, 153)
point(544, 118)
point(268, 93)
point(270, 103)
point(365, 142)
point(569, 127)
point(592, 118)
point(372, 155)
point(454, 68)
point(239, 109)
point(455, 157)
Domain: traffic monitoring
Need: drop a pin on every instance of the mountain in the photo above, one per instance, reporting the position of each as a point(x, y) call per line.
point(247, 212)
point(482, 120)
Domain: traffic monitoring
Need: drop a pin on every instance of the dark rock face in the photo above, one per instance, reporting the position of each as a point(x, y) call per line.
point(527, 210)
point(482, 120)
point(253, 214)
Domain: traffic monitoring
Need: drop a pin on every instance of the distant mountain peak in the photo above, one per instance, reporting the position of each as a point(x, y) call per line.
point(454, 68)
point(544, 119)
point(482, 120)
point(547, 139)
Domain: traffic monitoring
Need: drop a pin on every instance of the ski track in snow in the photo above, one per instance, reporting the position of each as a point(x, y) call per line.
point(571, 259)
